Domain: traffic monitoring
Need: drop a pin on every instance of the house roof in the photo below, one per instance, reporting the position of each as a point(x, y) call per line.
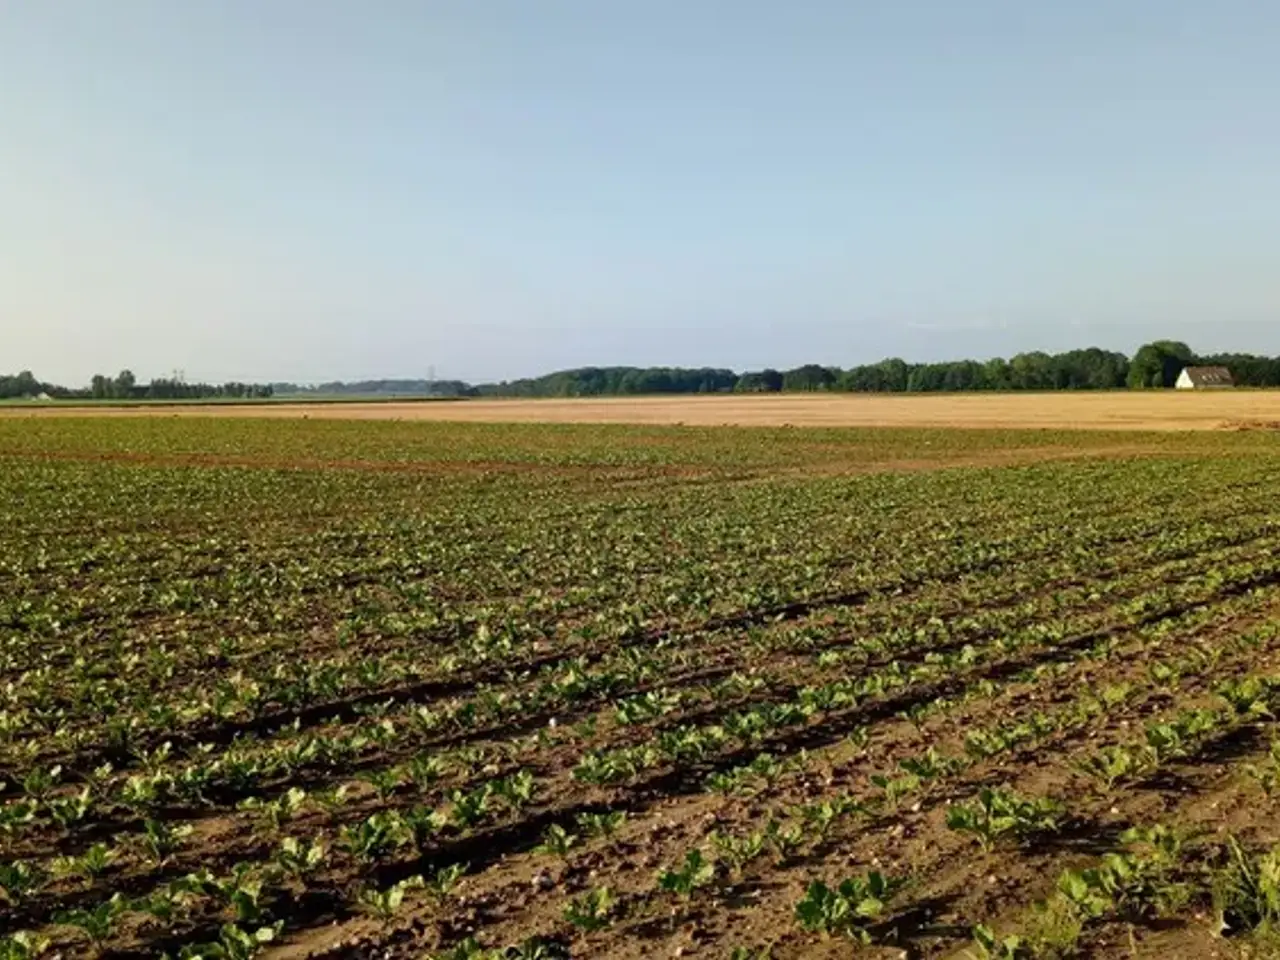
point(1209, 376)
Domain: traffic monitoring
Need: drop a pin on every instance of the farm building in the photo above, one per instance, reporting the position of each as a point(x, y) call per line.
point(1205, 378)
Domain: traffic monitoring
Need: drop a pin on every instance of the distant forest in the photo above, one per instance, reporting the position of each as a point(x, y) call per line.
point(1154, 365)
point(125, 386)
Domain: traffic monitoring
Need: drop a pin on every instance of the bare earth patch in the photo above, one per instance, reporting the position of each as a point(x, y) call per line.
point(1164, 410)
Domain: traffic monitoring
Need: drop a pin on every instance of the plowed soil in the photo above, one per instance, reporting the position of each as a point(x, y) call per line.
point(796, 654)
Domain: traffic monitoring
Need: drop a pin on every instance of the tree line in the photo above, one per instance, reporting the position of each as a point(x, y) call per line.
point(1154, 365)
point(379, 388)
point(125, 386)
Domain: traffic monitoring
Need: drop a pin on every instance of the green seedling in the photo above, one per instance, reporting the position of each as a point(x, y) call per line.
point(444, 881)
point(847, 908)
point(19, 879)
point(737, 852)
point(160, 840)
point(98, 924)
point(987, 945)
point(385, 904)
point(1110, 765)
point(696, 872)
point(592, 911)
point(557, 841)
point(601, 825)
point(895, 788)
point(996, 813)
point(298, 858)
point(23, 946)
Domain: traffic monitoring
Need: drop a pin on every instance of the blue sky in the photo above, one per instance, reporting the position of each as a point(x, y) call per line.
point(311, 189)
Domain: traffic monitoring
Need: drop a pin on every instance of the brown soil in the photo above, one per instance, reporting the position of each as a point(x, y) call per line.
point(1165, 410)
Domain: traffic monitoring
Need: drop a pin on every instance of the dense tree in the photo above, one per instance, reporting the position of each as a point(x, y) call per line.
point(809, 377)
point(996, 374)
point(608, 381)
point(759, 381)
point(175, 389)
point(887, 376)
point(1090, 369)
point(124, 384)
point(1031, 371)
point(23, 384)
point(401, 388)
point(1158, 364)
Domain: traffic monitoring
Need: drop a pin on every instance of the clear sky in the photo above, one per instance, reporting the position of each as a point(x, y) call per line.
point(314, 189)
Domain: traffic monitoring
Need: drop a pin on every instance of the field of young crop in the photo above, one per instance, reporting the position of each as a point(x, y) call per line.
point(333, 689)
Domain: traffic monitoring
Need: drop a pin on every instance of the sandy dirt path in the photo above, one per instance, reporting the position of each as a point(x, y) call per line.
point(1165, 410)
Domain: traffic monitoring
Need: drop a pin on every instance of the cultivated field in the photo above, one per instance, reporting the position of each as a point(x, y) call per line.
point(1162, 410)
point(398, 690)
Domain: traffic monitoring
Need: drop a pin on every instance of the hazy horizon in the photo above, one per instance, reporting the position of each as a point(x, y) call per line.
point(325, 191)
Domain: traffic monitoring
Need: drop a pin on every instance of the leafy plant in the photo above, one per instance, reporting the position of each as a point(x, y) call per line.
point(601, 825)
point(19, 879)
point(694, 873)
point(241, 890)
point(895, 788)
point(847, 908)
point(1248, 697)
point(820, 817)
point(469, 949)
point(592, 911)
point(1267, 773)
point(39, 783)
point(331, 801)
point(384, 904)
point(444, 881)
point(19, 813)
point(425, 770)
point(470, 807)
point(161, 841)
point(374, 837)
point(297, 858)
point(987, 945)
point(98, 924)
point(1110, 765)
point(23, 946)
point(423, 824)
point(557, 841)
point(930, 765)
point(995, 813)
point(384, 782)
point(783, 841)
point(738, 851)
point(1246, 891)
point(67, 811)
point(233, 943)
point(278, 812)
point(91, 864)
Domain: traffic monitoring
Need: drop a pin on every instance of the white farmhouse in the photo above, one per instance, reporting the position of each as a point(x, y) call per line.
point(1204, 378)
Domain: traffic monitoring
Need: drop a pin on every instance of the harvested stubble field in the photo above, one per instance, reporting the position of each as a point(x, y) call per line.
point(376, 689)
point(1086, 410)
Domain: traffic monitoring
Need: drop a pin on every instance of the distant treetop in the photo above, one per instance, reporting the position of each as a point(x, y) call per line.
point(1155, 365)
